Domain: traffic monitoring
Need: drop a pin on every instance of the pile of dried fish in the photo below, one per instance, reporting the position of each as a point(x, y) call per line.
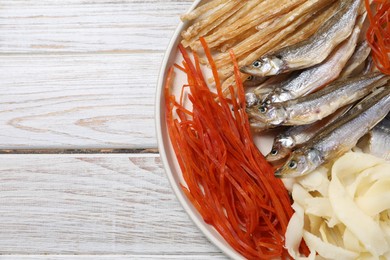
point(308, 109)
point(310, 79)
point(305, 62)
point(338, 137)
point(312, 51)
point(252, 28)
point(324, 88)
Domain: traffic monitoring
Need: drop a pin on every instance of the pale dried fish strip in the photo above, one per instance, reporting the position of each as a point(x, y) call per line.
point(307, 29)
point(266, 10)
point(207, 6)
point(243, 11)
point(194, 42)
point(195, 28)
point(225, 46)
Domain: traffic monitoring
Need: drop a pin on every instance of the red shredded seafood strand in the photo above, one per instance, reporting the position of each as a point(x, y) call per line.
point(226, 178)
point(378, 33)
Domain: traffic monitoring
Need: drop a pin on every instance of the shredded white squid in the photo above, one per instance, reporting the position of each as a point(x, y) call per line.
point(342, 210)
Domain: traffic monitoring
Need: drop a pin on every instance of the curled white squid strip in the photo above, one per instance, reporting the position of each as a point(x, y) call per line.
point(345, 216)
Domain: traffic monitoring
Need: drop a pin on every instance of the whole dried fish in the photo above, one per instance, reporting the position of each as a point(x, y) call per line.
point(318, 105)
point(359, 56)
point(311, 51)
point(262, 83)
point(369, 66)
point(377, 141)
point(298, 135)
point(339, 137)
point(253, 81)
point(312, 78)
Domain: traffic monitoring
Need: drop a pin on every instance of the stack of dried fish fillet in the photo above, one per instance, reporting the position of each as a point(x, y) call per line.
point(306, 66)
point(253, 28)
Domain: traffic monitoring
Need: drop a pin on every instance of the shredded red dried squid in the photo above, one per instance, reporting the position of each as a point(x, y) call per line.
point(226, 177)
point(378, 33)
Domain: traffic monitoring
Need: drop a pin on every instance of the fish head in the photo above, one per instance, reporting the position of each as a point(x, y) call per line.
point(266, 66)
point(258, 126)
point(286, 141)
point(253, 81)
point(300, 162)
point(251, 99)
point(278, 152)
point(267, 95)
point(268, 114)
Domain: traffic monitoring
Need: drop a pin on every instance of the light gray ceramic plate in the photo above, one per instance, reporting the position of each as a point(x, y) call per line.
point(167, 154)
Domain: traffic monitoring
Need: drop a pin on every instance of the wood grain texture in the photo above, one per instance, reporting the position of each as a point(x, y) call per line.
point(78, 101)
point(82, 74)
point(69, 204)
point(88, 26)
point(116, 257)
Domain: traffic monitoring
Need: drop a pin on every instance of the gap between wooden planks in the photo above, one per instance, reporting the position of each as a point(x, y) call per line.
point(78, 101)
point(118, 257)
point(78, 81)
point(70, 26)
point(105, 151)
point(77, 204)
point(82, 74)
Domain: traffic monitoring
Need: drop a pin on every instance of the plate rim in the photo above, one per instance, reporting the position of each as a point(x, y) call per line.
point(159, 115)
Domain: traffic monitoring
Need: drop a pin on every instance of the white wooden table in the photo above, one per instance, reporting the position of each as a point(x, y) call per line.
point(80, 173)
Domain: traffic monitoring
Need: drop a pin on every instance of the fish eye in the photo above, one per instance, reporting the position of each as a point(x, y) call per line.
point(262, 109)
point(292, 164)
point(256, 64)
point(250, 78)
point(274, 152)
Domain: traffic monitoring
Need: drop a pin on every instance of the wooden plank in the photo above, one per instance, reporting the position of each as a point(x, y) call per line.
point(88, 26)
point(82, 74)
point(115, 257)
point(78, 151)
point(90, 205)
point(78, 101)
